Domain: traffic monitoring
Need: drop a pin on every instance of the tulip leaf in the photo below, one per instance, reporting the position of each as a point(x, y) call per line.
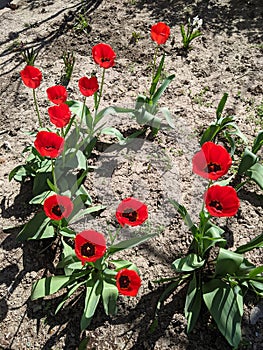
point(185, 216)
point(210, 133)
point(123, 264)
point(188, 263)
point(48, 285)
point(130, 243)
point(109, 297)
point(256, 271)
point(79, 213)
point(228, 262)
point(111, 110)
point(37, 228)
point(226, 307)
point(39, 199)
point(167, 116)
point(221, 106)
point(255, 173)
point(258, 142)
point(257, 287)
point(192, 303)
point(157, 76)
point(256, 242)
point(114, 132)
point(40, 184)
point(161, 90)
point(93, 294)
point(68, 295)
point(212, 236)
point(248, 159)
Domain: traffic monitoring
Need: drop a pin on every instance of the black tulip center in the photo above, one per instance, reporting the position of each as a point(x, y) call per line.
point(213, 167)
point(87, 249)
point(130, 214)
point(124, 281)
point(105, 59)
point(217, 205)
point(58, 210)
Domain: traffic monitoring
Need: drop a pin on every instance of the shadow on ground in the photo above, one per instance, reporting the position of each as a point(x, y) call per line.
point(234, 17)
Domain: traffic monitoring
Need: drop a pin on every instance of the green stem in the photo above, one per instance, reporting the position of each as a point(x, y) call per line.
point(100, 92)
point(36, 106)
point(115, 235)
point(209, 184)
point(82, 112)
point(239, 186)
point(154, 61)
point(53, 174)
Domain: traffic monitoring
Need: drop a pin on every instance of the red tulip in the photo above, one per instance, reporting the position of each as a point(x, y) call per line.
point(59, 115)
point(128, 282)
point(57, 94)
point(131, 212)
point(103, 55)
point(31, 76)
point(160, 32)
point(57, 207)
point(221, 201)
point(49, 144)
point(212, 162)
point(87, 86)
point(90, 246)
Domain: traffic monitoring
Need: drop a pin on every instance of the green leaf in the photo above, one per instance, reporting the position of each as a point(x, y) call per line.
point(52, 186)
point(167, 116)
point(157, 76)
point(185, 216)
point(248, 159)
point(257, 287)
point(111, 110)
point(130, 243)
point(255, 173)
point(76, 107)
point(227, 262)
point(257, 271)
point(188, 263)
point(258, 142)
point(93, 294)
point(192, 303)
point(37, 228)
point(221, 106)
point(109, 297)
point(83, 212)
point(161, 90)
point(114, 132)
point(40, 183)
point(48, 285)
point(123, 264)
point(226, 307)
point(39, 199)
point(67, 232)
point(68, 295)
point(212, 236)
point(256, 242)
point(18, 173)
point(143, 117)
point(210, 133)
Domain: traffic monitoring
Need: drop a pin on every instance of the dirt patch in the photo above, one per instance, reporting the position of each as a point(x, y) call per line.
point(226, 58)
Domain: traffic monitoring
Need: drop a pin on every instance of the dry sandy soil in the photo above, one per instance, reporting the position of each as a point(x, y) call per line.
point(226, 58)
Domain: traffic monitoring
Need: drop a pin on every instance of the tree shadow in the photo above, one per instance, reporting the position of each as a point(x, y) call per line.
point(20, 208)
point(252, 197)
point(236, 16)
point(35, 256)
point(40, 43)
